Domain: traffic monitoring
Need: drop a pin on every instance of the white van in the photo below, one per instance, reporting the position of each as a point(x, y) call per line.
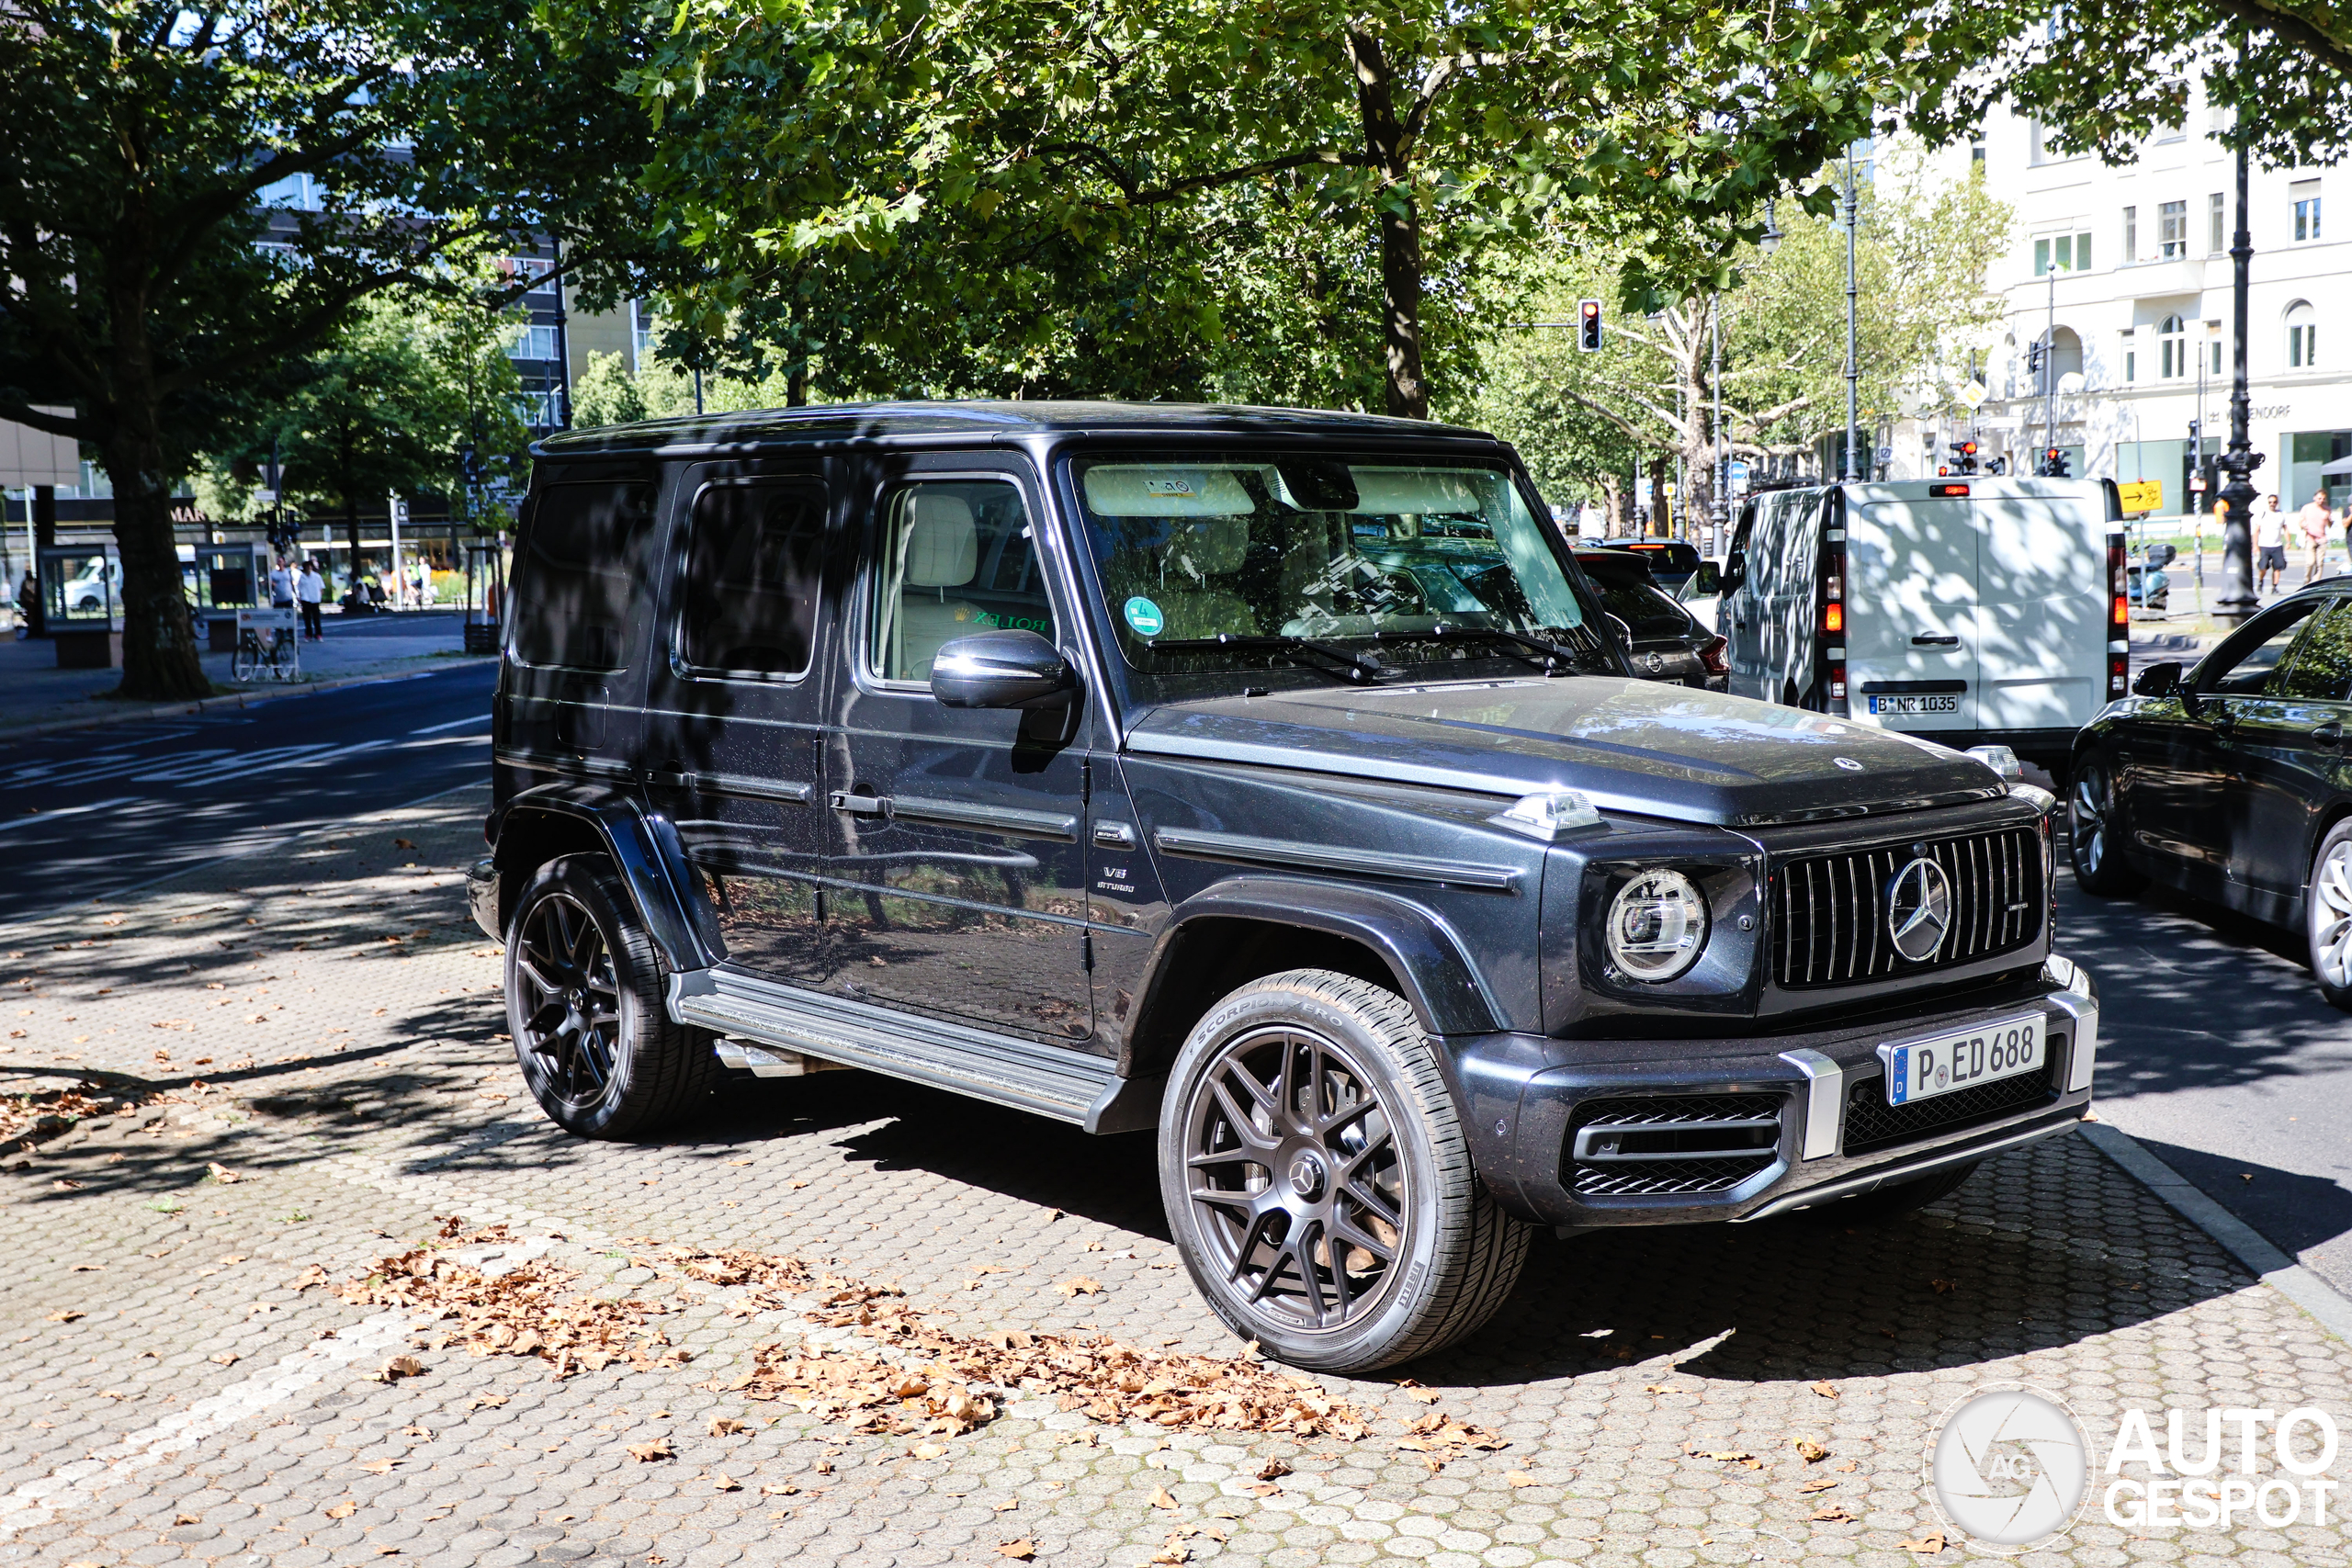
point(1971, 611)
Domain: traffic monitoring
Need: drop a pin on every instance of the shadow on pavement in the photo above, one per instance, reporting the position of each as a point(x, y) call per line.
point(2294, 1210)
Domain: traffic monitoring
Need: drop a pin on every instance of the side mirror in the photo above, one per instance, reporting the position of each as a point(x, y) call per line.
point(2157, 680)
point(1734, 570)
point(1710, 580)
point(1002, 670)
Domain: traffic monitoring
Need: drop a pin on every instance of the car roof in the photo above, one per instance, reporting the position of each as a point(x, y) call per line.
point(842, 423)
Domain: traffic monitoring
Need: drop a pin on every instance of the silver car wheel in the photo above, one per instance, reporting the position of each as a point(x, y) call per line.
point(2331, 915)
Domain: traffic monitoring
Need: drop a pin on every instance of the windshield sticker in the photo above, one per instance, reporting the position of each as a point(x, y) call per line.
point(1167, 484)
point(1144, 616)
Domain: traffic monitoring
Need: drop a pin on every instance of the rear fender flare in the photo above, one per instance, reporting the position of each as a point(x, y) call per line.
point(643, 845)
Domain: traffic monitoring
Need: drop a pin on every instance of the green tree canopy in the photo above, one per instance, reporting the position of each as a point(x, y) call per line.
point(1109, 184)
point(151, 285)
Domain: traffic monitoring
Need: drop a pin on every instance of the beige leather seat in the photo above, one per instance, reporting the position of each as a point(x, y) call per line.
point(942, 551)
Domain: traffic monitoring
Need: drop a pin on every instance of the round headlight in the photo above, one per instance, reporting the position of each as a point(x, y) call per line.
point(1657, 925)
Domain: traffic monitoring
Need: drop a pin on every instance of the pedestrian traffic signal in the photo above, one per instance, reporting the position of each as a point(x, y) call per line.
point(2054, 464)
point(1589, 324)
point(1963, 457)
point(2033, 360)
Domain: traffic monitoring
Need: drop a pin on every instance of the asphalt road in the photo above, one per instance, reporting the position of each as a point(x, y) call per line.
point(91, 812)
point(2217, 1050)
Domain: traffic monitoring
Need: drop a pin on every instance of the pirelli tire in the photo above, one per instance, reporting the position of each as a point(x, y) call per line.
point(584, 1005)
point(1318, 1181)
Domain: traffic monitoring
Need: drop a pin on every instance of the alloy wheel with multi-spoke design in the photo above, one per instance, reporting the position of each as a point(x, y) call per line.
point(2331, 915)
point(1297, 1183)
point(569, 998)
point(2088, 824)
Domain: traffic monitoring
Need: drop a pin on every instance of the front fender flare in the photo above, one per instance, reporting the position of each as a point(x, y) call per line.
point(1431, 968)
point(643, 845)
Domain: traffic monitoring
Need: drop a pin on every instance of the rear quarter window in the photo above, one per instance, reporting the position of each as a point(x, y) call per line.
point(576, 572)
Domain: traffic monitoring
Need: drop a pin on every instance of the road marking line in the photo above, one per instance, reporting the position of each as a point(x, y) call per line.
point(453, 724)
point(69, 1485)
point(71, 811)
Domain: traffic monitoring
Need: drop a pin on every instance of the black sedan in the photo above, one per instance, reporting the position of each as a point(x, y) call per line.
point(2229, 780)
point(1668, 643)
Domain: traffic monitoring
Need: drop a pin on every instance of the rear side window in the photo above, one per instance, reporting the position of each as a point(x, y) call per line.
point(754, 557)
point(1628, 593)
point(581, 560)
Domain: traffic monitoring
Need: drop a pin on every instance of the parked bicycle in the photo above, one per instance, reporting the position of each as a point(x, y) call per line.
point(269, 644)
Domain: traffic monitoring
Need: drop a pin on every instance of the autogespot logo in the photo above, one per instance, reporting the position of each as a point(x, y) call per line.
point(2009, 1468)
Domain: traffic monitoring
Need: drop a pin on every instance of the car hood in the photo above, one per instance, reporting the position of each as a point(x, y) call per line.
point(1633, 746)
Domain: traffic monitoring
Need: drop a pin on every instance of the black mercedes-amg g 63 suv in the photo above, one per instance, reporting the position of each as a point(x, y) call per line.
point(1272, 781)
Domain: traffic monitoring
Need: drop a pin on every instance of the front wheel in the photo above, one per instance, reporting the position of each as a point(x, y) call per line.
point(1318, 1182)
point(583, 1003)
point(2091, 832)
point(2327, 916)
point(246, 663)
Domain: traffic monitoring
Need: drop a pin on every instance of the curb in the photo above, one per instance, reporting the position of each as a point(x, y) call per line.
point(2242, 1241)
point(213, 704)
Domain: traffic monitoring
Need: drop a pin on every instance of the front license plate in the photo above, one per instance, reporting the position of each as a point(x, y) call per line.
point(1921, 1069)
point(1915, 704)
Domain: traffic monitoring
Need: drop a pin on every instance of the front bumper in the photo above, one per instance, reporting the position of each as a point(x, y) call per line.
point(1811, 1106)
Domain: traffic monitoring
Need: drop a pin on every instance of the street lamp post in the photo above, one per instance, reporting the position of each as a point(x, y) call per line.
point(2238, 599)
point(1853, 345)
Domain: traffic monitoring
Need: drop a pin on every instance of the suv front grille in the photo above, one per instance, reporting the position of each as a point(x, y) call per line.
point(1828, 912)
point(1649, 1146)
point(1873, 1124)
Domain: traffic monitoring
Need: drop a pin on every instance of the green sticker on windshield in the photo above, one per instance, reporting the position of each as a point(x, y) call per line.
point(1144, 616)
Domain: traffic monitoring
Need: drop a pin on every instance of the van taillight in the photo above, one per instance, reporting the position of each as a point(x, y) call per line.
point(1833, 621)
point(2119, 622)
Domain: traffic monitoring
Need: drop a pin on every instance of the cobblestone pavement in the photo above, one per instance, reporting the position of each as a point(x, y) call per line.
point(317, 1043)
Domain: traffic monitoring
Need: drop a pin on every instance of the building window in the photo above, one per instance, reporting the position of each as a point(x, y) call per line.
point(2131, 355)
point(531, 342)
point(2131, 235)
point(2063, 252)
point(2218, 240)
point(2302, 336)
point(643, 328)
point(536, 272)
point(2172, 230)
point(2305, 194)
point(2213, 345)
point(2172, 348)
point(1976, 151)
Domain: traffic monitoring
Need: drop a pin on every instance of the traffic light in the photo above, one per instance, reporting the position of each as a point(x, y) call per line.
point(470, 464)
point(2054, 464)
point(1589, 324)
point(1963, 457)
point(1996, 464)
point(2033, 360)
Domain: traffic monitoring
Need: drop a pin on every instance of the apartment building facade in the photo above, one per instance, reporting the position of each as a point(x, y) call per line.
point(2124, 273)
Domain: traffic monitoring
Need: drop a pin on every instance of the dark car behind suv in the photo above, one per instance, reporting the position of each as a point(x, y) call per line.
point(1265, 780)
point(1663, 640)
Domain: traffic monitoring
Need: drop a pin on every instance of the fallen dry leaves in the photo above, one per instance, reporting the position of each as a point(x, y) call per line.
point(1819, 1484)
point(1079, 1285)
point(1928, 1547)
point(1518, 1478)
point(1835, 1514)
point(1020, 1551)
point(1825, 1389)
point(1441, 1439)
point(343, 1510)
point(529, 1310)
point(49, 1112)
point(648, 1453)
point(1811, 1451)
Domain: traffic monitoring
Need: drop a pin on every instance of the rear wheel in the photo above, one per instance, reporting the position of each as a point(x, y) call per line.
point(2091, 831)
point(2327, 916)
point(1317, 1180)
point(583, 1003)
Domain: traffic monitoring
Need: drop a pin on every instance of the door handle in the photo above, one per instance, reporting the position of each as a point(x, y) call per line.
point(1927, 639)
point(2329, 734)
point(861, 805)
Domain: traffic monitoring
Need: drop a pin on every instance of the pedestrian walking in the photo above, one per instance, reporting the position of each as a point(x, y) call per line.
point(28, 599)
point(2270, 547)
point(2317, 527)
point(309, 592)
point(281, 585)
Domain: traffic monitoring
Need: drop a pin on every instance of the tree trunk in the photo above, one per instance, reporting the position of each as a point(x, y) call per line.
point(1385, 144)
point(1696, 505)
point(44, 537)
point(795, 387)
point(159, 652)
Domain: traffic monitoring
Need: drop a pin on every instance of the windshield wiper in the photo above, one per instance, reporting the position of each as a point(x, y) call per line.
point(1357, 667)
point(1557, 658)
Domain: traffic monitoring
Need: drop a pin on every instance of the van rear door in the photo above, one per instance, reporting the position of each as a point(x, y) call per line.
point(1912, 626)
point(2041, 610)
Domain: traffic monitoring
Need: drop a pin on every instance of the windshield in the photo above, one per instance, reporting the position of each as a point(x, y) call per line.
point(1320, 568)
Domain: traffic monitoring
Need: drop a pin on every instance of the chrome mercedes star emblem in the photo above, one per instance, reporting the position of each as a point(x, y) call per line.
point(1918, 909)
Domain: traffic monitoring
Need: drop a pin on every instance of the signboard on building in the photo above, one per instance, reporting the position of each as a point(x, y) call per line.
point(2141, 495)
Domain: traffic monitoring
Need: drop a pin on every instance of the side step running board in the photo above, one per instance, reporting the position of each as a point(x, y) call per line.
point(1046, 1081)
